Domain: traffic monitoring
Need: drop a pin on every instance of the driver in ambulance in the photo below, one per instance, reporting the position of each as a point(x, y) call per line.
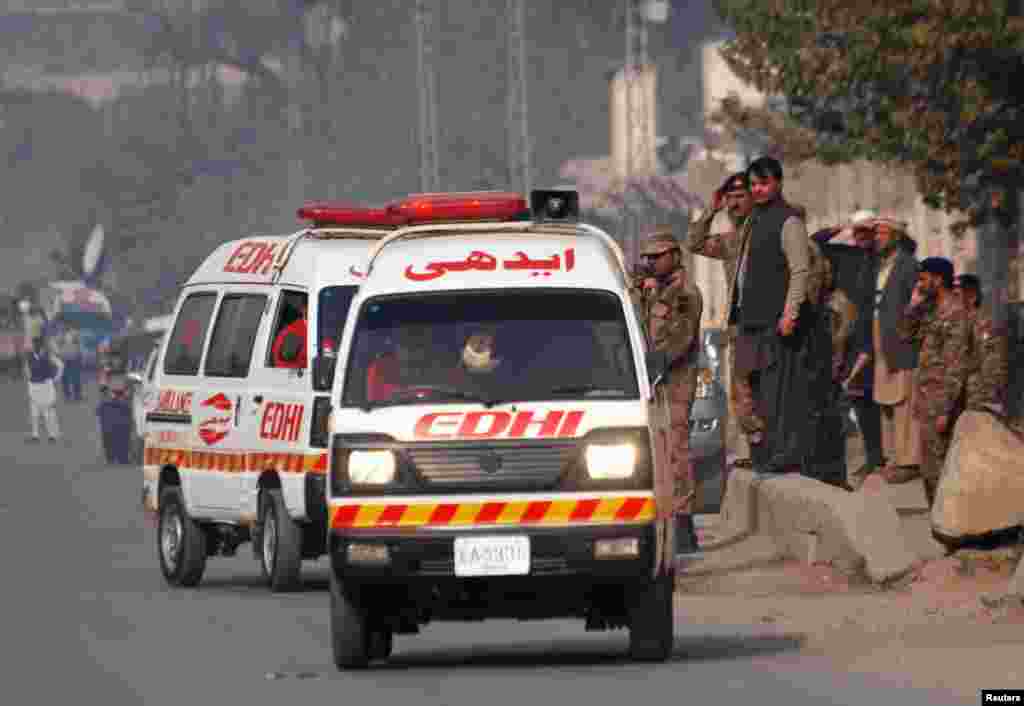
point(413, 362)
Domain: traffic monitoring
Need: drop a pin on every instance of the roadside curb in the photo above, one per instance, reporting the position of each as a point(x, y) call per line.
point(813, 522)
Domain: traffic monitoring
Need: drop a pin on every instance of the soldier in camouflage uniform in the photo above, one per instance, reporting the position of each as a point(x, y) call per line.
point(733, 196)
point(670, 309)
point(936, 321)
point(988, 370)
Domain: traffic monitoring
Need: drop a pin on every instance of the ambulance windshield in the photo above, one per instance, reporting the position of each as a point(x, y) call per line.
point(490, 347)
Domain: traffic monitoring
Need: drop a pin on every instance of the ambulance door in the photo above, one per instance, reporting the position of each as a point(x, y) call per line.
point(171, 420)
point(223, 409)
point(279, 403)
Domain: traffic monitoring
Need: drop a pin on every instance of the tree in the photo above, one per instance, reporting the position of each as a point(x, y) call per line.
point(925, 84)
point(928, 84)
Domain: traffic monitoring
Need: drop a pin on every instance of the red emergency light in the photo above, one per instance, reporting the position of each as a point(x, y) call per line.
point(421, 208)
point(460, 206)
point(326, 215)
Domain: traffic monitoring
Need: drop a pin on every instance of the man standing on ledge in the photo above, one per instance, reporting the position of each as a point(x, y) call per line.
point(734, 196)
point(767, 299)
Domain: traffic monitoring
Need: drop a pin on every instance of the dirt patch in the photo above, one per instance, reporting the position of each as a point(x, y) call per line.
point(942, 625)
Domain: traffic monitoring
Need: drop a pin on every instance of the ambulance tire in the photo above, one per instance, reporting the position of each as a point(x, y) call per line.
point(181, 541)
point(651, 635)
point(281, 551)
point(382, 641)
point(350, 630)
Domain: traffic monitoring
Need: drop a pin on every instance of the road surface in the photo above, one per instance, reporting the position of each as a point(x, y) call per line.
point(86, 615)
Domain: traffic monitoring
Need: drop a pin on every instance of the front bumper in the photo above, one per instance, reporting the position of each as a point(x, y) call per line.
point(554, 552)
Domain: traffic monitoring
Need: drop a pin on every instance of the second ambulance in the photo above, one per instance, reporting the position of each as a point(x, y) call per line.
point(491, 446)
point(236, 411)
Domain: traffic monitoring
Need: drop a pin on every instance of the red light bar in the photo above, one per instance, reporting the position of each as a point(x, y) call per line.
point(325, 214)
point(460, 206)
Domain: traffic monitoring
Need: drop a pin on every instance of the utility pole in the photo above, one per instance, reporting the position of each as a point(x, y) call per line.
point(517, 128)
point(638, 142)
point(427, 81)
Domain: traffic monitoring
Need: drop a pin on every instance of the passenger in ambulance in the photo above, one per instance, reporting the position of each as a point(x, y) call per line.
point(289, 349)
point(413, 362)
point(478, 360)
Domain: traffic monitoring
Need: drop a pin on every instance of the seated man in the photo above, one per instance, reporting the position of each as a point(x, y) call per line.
point(289, 349)
point(477, 360)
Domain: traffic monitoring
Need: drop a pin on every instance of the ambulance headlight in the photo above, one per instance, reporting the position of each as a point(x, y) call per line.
point(371, 467)
point(610, 461)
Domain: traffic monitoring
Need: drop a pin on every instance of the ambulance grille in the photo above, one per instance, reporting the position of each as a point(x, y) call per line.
point(492, 466)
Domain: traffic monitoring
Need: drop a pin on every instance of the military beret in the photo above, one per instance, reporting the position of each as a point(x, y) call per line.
point(737, 182)
point(659, 241)
point(938, 266)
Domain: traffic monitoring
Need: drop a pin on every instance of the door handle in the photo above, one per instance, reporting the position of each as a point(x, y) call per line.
point(238, 407)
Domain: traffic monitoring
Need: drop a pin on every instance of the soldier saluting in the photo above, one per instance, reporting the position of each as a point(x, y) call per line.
point(670, 309)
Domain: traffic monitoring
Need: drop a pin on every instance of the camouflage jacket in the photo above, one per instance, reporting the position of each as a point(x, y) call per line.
point(944, 339)
point(670, 315)
point(718, 246)
point(988, 369)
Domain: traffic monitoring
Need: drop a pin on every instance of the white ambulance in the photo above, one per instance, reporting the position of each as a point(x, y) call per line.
point(491, 451)
point(236, 427)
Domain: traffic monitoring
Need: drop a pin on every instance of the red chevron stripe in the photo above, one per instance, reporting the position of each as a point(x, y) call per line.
point(346, 515)
point(584, 510)
point(535, 511)
point(489, 512)
point(630, 509)
point(443, 514)
point(391, 515)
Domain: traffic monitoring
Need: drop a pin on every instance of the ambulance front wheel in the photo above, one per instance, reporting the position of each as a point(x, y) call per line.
point(281, 544)
point(351, 638)
point(651, 634)
point(181, 542)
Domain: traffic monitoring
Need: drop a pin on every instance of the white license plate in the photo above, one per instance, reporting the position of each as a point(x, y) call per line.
point(492, 556)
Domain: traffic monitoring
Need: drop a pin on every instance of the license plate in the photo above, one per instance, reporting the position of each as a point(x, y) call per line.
point(492, 556)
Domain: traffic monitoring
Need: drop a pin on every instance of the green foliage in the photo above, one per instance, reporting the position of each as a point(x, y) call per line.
point(925, 83)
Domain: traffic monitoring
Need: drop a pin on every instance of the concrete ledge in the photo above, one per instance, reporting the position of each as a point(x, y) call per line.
point(1016, 588)
point(814, 522)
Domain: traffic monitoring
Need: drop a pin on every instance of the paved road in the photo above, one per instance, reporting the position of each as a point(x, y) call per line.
point(86, 615)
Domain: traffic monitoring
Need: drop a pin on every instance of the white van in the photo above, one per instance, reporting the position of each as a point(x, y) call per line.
point(491, 451)
point(236, 432)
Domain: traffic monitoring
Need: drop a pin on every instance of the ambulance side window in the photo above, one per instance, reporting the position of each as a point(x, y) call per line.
point(234, 335)
point(185, 347)
point(288, 333)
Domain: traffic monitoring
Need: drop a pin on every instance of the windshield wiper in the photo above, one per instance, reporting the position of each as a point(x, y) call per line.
point(584, 389)
point(443, 393)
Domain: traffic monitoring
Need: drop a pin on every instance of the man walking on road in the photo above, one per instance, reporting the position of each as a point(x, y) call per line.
point(71, 353)
point(936, 322)
point(734, 196)
point(42, 369)
point(670, 309)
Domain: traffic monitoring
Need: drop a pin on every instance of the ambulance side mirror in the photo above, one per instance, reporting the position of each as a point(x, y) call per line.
point(657, 367)
point(323, 372)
